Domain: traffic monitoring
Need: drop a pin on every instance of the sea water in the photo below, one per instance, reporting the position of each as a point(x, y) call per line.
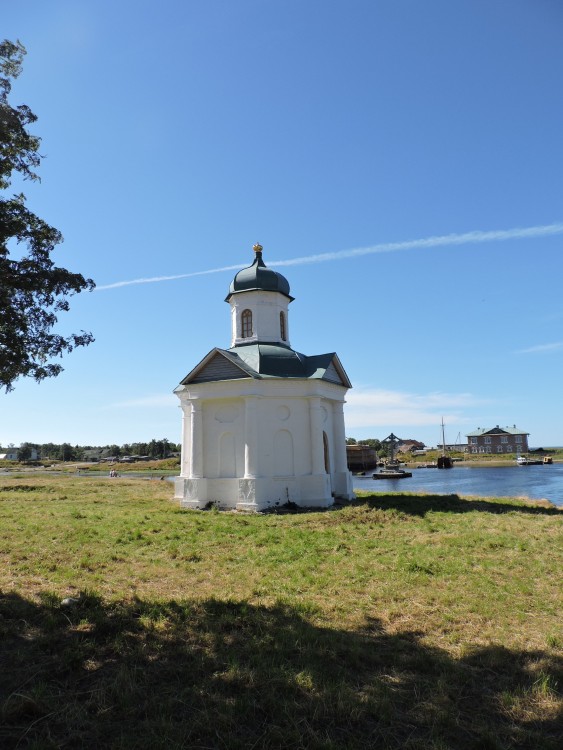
point(543, 482)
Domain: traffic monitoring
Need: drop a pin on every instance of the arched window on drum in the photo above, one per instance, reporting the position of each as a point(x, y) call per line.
point(246, 324)
point(282, 327)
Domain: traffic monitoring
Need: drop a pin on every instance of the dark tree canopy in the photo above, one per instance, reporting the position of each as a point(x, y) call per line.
point(33, 290)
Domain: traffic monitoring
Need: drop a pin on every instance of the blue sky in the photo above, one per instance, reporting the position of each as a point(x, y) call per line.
point(424, 135)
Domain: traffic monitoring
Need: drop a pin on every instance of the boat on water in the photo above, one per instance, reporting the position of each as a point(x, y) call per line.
point(527, 461)
point(444, 461)
point(392, 473)
point(392, 469)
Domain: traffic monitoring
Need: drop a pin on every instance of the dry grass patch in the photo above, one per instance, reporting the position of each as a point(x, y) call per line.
point(396, 622)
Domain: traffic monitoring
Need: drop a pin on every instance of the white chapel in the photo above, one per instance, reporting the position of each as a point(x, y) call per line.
point(263, 425)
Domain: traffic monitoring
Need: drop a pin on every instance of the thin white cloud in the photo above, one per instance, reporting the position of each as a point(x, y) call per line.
point(467, 238)
point(541, 348)
point(155, 279)
point(378, 407)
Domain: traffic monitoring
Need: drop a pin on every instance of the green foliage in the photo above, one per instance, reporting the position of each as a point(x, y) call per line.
point(373, 443)
point(33, 290)
point(380, 448)
point(67, 452)
point(24, 453)
point(158, 450)
point(18, 148)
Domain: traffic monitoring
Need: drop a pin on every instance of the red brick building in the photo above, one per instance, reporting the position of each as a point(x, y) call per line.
point(498, 440)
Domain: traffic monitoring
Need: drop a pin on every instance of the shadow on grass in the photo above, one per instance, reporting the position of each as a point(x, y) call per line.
point(231, 675)
point(419, 505)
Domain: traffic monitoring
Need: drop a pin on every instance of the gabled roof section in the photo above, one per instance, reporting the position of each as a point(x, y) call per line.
point(266, 361)
point(497, 431)
point(217, 365)
point(275, 361)
point(328, 367)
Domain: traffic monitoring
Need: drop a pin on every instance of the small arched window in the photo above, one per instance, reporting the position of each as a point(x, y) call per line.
point(246, 324)
point(282, 326)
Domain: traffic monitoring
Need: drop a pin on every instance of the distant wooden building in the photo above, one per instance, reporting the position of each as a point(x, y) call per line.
point(408, 446)
point(453, 447)
point(360, 457)
point(498, 440)
point(12, 454)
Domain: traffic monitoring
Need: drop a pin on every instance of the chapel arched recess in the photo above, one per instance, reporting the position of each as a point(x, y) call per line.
point(284, 464)
point(227, 455)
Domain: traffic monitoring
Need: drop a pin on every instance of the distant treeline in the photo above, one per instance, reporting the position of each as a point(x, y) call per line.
point(67, 452)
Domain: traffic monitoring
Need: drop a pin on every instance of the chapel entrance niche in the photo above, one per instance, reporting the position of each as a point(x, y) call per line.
point(283, 454)
point(327, 454)
point(227, 455)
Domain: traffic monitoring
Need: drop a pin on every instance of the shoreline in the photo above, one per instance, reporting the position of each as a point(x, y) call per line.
point(480, 463)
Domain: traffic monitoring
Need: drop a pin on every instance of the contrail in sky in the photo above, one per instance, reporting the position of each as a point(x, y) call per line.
point(468, 238)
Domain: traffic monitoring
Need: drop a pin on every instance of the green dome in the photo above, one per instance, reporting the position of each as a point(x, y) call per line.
point(258, 277)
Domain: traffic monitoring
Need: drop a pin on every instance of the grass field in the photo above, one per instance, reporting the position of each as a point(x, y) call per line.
point(399, 621)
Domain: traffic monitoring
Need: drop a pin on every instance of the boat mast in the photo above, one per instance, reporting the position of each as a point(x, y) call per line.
point(443, 439)
point(444, 461)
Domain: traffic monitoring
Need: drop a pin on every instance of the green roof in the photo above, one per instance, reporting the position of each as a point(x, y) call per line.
point(258, 277)
point(497, 431)
point(267, 361)
point(275, 361)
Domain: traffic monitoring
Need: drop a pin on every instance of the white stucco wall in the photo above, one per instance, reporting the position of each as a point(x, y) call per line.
point(266, 308)
point(271, 433)
point(222, 417)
